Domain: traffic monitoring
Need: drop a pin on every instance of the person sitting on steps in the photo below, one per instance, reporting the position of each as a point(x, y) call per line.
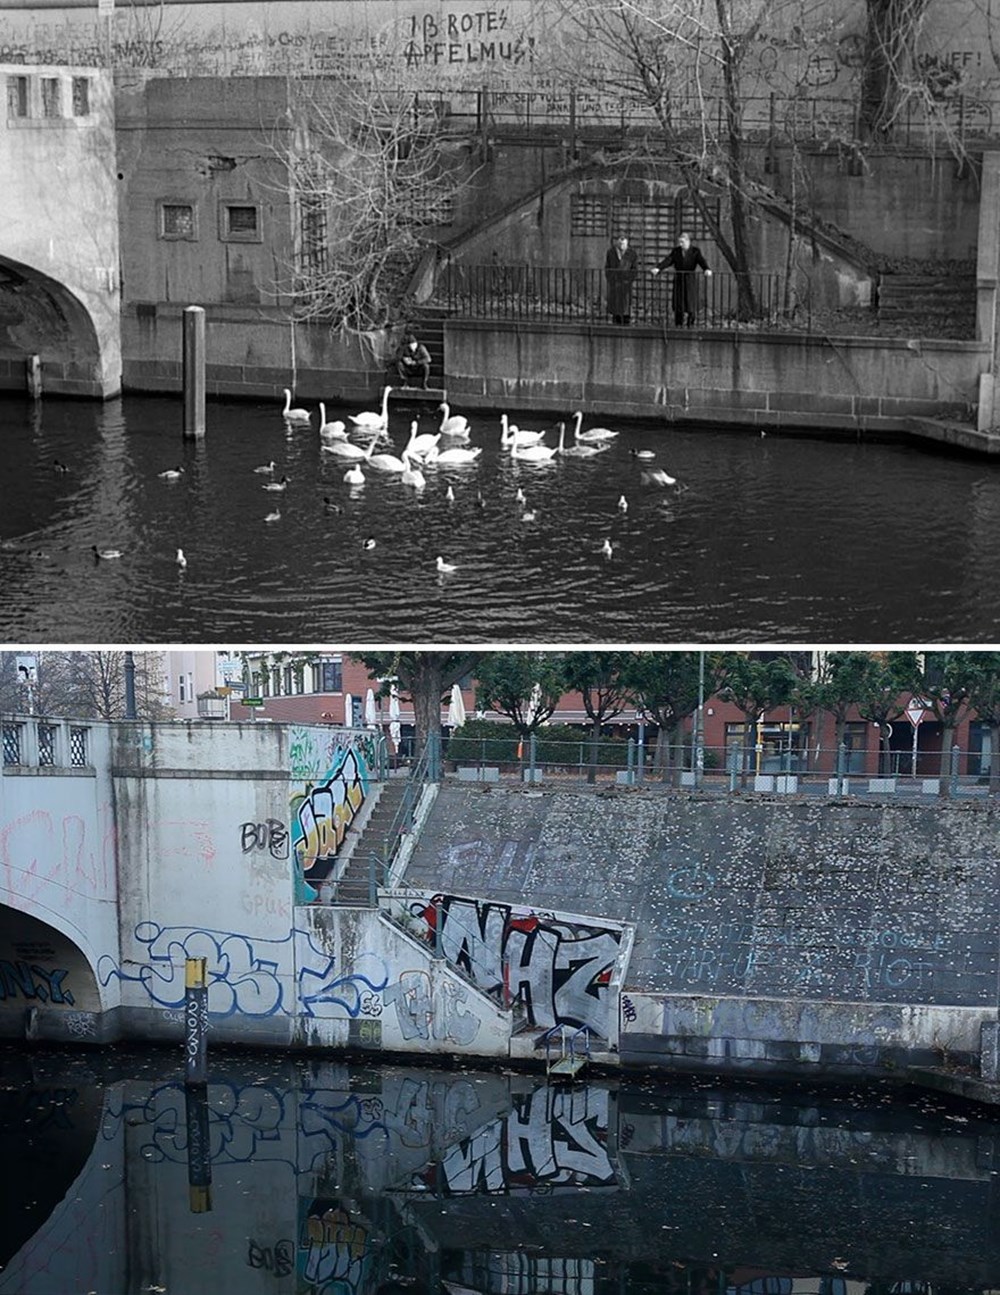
point(413, 358)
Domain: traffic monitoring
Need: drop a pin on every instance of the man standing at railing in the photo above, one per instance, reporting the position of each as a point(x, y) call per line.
point(620, 267)
point(685, 259)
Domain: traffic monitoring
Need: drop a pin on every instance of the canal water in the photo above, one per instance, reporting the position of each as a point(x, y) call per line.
point(760, 538)
point(291, 1176)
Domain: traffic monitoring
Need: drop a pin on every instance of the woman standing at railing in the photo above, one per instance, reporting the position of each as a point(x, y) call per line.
point(684, 260)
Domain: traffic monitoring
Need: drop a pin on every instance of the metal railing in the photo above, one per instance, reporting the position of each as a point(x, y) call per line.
point(564, 294)
point(426, 769)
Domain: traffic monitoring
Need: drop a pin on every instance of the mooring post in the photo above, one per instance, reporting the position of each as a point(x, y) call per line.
point(194, 371)
point(195, 1021)
point(33, 376)
point(199, 1155)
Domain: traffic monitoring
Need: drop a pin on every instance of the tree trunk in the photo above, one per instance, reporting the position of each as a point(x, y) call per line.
point(425, 688)
point(947, 733)
point(595, 738)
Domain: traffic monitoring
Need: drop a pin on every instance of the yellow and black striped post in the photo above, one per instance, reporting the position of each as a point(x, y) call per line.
point(195, 1022)
point(199, 1150)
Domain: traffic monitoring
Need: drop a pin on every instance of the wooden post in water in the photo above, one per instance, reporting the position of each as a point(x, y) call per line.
point(194, 371)
point(195, 1022)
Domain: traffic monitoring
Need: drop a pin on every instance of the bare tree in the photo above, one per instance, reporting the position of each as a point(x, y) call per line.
point(86, 685)
point(367, 173)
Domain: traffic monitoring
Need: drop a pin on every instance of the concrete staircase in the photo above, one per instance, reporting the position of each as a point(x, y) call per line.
point(353, 888)
point(935, 305)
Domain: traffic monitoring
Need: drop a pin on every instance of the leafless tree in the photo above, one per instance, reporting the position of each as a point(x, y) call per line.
point(85, 685)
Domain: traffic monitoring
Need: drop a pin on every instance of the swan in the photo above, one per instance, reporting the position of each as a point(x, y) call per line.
point(529, 517)
point(452, 424)
point(412, 476)
point(384, 462)
point(107, 554)
point(445, 566)
point(265, 469)
point(418, 446)
point(622, 504)
point(578, 450)
point(458, 456)
point(593, 434)
point(181, 559)
point(354, 476)
point(291, 415)
point(658, 477)
point(513, 435)
point(273, 517)
point(171, 474)
point(276, 485)
point(330, 431)
point(346, 450)
point(530, 453)
point(374, 420)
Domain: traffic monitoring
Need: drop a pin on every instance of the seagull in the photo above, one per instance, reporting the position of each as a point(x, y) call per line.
point(181, 559)
point(445, 566)
point(273, 517)
point(520, 497)
point(622, 504)
point(606, 548)
point(171, 474)
point(265, 469)
point(106, 554)
point(276, 485)
point(369, 542)
point(449, 494)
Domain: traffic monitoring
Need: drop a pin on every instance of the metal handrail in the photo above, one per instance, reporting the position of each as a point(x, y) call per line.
point(427, 765)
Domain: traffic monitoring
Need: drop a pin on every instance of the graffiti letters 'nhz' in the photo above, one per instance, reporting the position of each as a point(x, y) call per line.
point(323, 816)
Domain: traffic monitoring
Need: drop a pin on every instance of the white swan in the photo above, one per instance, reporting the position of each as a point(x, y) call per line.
point(449, 494)
point(658, 477)
point(513, 435)
point(354, 476)
point(419, 445)
point(606, 548)
point(412, 476)
point(334, 431)
point(452, 424)
point(384, 462)
point(291, 415)
point(374, 420)
point(530, 453)
point(445, 566)
point(346, 450)
point(622, 504)
point(578, 450)
point(457, 456)
point(593, 434)
point(273, 517)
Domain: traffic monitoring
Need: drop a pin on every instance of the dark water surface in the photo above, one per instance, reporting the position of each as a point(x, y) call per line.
point(763, 538)
point(306, 1178)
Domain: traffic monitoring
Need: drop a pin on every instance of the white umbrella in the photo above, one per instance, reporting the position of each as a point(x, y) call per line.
point(371, 714)
point(534, 703)
point(394, 729)
point(456, 708)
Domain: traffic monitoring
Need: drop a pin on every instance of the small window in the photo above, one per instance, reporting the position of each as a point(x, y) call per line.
point(181, 689)
point(240, 223)
point(177, 220)
point(589, 216)
point(331, 678)
point(12, 743)
point(46, 744)
point(81, 96)
point(17, 96)
point(78, 747)
point(51, 96)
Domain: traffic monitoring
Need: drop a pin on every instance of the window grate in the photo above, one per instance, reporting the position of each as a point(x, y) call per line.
point(17, 96)
point(176, 220)
point(51, 97)
point(589, 216)
point(12, 743)
point(81, 96)
point(313, 246)
point(78, 747)
point(47, 744)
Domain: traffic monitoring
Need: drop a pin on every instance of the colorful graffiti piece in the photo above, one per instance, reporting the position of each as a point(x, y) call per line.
point(338, 1252)
point(559, 969)
point(322, 812)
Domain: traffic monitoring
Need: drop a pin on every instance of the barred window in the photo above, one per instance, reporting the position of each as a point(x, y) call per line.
point(177, 220)
point(78, 747)
point(240, 223)
point(428, 206)
point(46, 744)
point(313, 249)
point(12, 743)
point(589, 216)
point(17, 96)
point(51, 96)
point(81, 96)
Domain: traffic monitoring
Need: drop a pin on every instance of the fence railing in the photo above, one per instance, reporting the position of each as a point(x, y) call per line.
point(580, 295)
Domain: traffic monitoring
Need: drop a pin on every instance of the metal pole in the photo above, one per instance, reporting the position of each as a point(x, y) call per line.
point(955, 757)
point(699, 749)
point(195, 1021)
point(641, 753)
point(913, 769)
point(199, 1155)
point(194, 371)
point(841, 767)
point(130, 710)
point(531, 756)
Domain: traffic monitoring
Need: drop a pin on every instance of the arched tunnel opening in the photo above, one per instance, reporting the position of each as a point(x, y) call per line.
point(43, 972)
point(41, 317)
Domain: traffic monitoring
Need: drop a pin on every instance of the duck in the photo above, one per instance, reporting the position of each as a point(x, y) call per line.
point(171, 474)
point(622, 504)
point(369, 543)
point(412, 476)
point(181, 559)
point(452, 424)
point(276, 485)
point(106, 555)
point(457, 456)
point(592, 434)
point(273, 517)
point(354, 476)
point(514, 435)
point(330, 506)
point(330, 431)
point(374, 420)
point(445, 566)
point(643, 454)
point(265, 469)
point(658, 477)
point(58, 466)
point(298, 415)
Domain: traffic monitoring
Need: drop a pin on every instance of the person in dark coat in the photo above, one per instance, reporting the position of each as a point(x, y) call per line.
point(684, 260)
point(620, 266)
point(413, 361)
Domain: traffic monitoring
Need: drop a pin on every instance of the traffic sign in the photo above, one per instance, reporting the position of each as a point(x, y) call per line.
point(915, 711)
point(252, 701)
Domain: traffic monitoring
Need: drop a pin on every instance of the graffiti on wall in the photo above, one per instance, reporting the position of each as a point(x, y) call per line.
point(340, 1251)
point(326, 992)
point(558, 968)
point(325, 803)
point(423, 1015)
point(30, 981)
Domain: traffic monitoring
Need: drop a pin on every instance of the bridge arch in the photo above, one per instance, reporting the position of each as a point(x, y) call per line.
point(48, 983)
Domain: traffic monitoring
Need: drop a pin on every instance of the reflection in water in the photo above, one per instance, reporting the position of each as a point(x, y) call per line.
point(770, 537)
point(290, 1176)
